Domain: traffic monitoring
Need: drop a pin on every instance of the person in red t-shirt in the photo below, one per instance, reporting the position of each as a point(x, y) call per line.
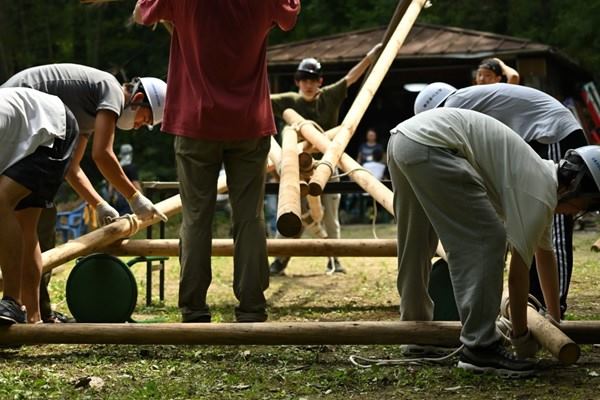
point(219, 110)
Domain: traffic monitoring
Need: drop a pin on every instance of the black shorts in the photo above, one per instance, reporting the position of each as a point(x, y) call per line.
point(43, 171)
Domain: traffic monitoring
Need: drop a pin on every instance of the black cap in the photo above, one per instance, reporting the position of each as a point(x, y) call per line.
point(309, 68)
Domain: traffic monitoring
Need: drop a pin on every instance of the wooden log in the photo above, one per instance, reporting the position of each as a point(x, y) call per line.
point(102, 237)
point(348, 126)
point(303, 188)
point(316, 208)
point(553, 339)
point(275, 247)
point(549, 336)
point(289, 214)
point(399, 12)
point(305, 161)
point(275, 155)
point(266, 333)
point(596, 246)
point(364, 178)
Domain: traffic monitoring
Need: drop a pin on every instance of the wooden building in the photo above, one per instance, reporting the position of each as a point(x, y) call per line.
point(430, 53)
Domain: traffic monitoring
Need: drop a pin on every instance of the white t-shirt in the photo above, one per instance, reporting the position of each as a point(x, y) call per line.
point(376, 168)
point(28, 119)
point(533, 114)
point(521, 186)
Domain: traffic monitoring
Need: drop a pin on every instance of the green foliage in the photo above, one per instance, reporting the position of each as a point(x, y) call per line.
point(37, 32)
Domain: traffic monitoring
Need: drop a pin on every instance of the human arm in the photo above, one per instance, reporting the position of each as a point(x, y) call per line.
point(83, 187)
point(360, 68)
point(286, 13)
point(547, 270)
point(512, 76)
point(518, 292)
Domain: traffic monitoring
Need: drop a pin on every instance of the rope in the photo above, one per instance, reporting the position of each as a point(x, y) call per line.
point(326, 163)
point(134, 225)
point(365, 362)
point(298, 126)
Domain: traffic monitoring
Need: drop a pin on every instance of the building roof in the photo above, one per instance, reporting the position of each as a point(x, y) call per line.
point(423, 41)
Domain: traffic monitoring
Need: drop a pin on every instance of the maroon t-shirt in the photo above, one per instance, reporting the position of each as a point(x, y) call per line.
point(217, 87)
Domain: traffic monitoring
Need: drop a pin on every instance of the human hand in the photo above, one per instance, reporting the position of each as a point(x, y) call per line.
point(525, 346)
point(143, 207)
point(105, 214)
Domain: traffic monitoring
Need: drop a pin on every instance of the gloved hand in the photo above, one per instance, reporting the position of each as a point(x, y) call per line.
point(525, 345)
point(105, 214)
point(143, 207)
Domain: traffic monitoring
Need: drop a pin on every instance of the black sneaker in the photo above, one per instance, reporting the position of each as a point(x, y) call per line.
point(277, 267)
point(335, 268)
point(417, 350)
point(56, 317)
point(495, 359)
point(11, 312)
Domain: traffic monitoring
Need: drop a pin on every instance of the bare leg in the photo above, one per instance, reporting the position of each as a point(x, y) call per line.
point(31, 271)
point(11, 237)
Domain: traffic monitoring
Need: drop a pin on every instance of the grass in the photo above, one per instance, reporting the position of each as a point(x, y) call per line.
point(366, 292)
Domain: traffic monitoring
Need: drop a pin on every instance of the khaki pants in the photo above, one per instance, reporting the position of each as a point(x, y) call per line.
point(198, 165)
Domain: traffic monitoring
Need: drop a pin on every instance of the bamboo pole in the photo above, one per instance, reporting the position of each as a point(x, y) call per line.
point(365, 180)
point(335, 150)
point(439, 333)
point(289, 214)
point(275, 247)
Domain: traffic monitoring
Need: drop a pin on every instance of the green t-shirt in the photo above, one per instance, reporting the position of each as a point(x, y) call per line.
point(324, 110)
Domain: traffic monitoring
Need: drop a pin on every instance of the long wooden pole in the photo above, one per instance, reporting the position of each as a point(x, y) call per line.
point(266, 333)
point(104, 236)
point(364, 178)
point(289, 213)
point(399, 12)
point(363, 99)
point(275, 247)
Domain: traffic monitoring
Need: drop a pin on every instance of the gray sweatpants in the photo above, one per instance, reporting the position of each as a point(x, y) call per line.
point(438, 194)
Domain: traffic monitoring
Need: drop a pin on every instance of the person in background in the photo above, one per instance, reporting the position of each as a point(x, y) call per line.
point(494, 70)
point(219, 111)
point(320, 104)
point(366, 149)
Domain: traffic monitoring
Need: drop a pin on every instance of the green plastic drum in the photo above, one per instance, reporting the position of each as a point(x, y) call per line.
point(442, 293)
point(101, 288)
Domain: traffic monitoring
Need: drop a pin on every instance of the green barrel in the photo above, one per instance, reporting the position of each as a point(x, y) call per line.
point(442, 293)
point(101, 289)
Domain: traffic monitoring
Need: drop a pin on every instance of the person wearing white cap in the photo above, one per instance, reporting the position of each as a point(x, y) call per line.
point(544, 123)
point(469, 180)
point(100, 105)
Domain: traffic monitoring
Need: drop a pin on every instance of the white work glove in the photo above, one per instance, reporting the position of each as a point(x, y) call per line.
point(525, 346)
point(143, 207)
point(105, 214)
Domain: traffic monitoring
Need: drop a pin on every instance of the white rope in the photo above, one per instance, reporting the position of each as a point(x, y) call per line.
point(365, 362)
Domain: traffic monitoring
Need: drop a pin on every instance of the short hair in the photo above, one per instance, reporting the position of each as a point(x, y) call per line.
point(492, 65)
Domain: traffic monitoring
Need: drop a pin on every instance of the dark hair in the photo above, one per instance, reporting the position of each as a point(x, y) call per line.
point(574, 177)
point(492, 65)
